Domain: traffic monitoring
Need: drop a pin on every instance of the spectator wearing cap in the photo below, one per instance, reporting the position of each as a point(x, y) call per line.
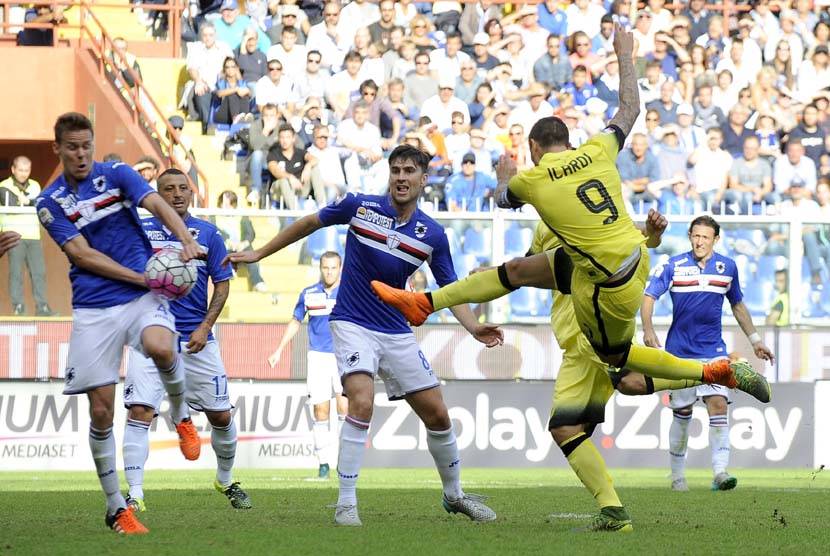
point(812, 136)
point(481, 54)
point(793, 170)
point(711, 166)
point(750, 179)
point(291, 55)
point(419, 85)
point(289, 16)
point(597, 116)
point(205, 60)
point(253, 64)
point(533, 35)
point(698, 17)
point(666, 105)
point(230, 27)
point(643, 33)
point(468, 189)
point(584, 15)
point(580, 87)
point(439, 108)
point(447, 61)
point(735, 131)
point(343, 87)
point(603, 43)
point(670, 155)
point(706, 113)
point(690, 135)
point(528, 112)
point(814, 73)
point(552, 68)
point(467, 83)
point(277, 89)
point(473, 18)
point(552, 18)
point(638, 167)
point(329, 38)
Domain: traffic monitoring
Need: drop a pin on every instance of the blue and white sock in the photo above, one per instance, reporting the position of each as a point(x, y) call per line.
point(136, 450)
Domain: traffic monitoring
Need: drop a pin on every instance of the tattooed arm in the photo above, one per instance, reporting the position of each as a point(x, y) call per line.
point(629, 93)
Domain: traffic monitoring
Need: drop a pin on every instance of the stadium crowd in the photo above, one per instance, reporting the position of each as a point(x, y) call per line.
point(734, 114)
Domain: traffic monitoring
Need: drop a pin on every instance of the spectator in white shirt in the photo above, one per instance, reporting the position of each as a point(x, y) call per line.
point(313, 81)
point(711, 166)
point(344, 86)
point(291, 54)
point(447, 61)
point(366, 170)
point(205, 60)
point(325, 159)
point(584, 15)
point(277, 89)
point(328, 37)
point(439, 108)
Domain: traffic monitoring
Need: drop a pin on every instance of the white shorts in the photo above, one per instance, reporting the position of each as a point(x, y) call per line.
point(206, 383)
point(96, 346)
point(678, 399)
point(395, 358)
point(322, 379)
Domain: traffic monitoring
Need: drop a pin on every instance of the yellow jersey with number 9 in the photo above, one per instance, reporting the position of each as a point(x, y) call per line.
point(578, 193)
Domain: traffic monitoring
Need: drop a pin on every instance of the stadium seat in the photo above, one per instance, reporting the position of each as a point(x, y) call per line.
point(324, 239)
point(477, 243)
point(524, 302)
point(517, 240)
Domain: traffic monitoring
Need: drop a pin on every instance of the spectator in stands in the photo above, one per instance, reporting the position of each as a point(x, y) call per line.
point(483, 105)
point(289, 53)
point(596, 118)
point(793, 170)
point(714, 41)
point(40, 14)
point(552, 18)
point(770, 145)
point(782, 64)
point(742, 70)
point(381, 30)
point(419, 86)
point(457, 141)
point(233, 95)
point(395, 96)
point(518, 149)
point(813, 138)
point(679, 198)
point(328, 38)
point(702, 69)
point(253, 65)
point(653, 129)
point(263, 135)
point(289, 17)
point(643, 34)
point(706, 113)
point(608, 84)
point(19, 190)
point(277, 89)
point(652, 82)
point(231, 26)
point(314, 80)
point(814, 73)
point(293, 178)
point(533, 35)
point(779, 311)
point(680, 27)
point(497, 127)
point(357, 13)
point(823, 195)
point(112, 157)
point(325, 159)
point(343, 87)
point(495, 31)
point(530, 111)
point(483, 58)
point(552, 68)
point(579, 46)
point(750, 179)
point(420, 28)
point(392, 54)
point(691, 136)
point(788, 36)
point(468, 189)
point(735, 132)
point(447, 61)
point(181, 148)
point(661, 16)
point(576, 134)
point(148, 168)
point(621, 13)
point(638, 167)
point(485, 150)
point(238, 233)
point(785, 110)
point(365, 168)
point(669, 52)
point(583, 16)
point(800, 206)
point(711, 168)
point(724, 93)
point(603, 42)
point(580, 88)
point(405, 11)
point(665, 106)
point(382, 114)
point(698, 16)
point(440, 165)
point(309, 117)
point(473, 18)
point(671, 157)
point(204, 66)
point(468, 82)
point(439, 107)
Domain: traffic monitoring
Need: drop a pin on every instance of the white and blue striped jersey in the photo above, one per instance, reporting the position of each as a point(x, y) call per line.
point(191, 310)
point(103, 211)
point(697, 295)
point(318, 304)
point(378, 248)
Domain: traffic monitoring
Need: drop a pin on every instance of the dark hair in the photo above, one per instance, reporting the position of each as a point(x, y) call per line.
point(654, 64)
point(289, 30)
point(177, 172)
point(285, 127)
point(607, 18)
point(330, 255)
point(453, 35)
point(550, 132)
point(149, 159)
point(408, 152)
point(112, 157)
point(352, 55)
point(707, 221)
point(581, 69)
point(71, 121)
point(368, 85)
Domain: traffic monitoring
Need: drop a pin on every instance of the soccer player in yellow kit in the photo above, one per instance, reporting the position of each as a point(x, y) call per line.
point(578, 194)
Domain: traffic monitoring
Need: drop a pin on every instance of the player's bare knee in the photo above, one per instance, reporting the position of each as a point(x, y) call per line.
point(632, 384)
point(218, 419)
point(321, 411)
point(439, 421)
point(141, 413)
point(101, 415)
point(563, 433)
point(716, 405)
point(162, 356)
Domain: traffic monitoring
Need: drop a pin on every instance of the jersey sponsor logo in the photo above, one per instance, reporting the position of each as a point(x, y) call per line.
point(155, 235)
point(374, 217)
point(353, 359)
point(370, 204)
point(45, 216)
point(420, 230)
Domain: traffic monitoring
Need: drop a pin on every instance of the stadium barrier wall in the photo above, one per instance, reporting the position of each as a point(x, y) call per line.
point(37, 350)
point(497, 424)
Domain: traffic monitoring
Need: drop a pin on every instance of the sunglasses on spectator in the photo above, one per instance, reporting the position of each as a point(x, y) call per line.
point(314, 60)
point(652, 119)
point(275, 68)
point(369, 93)
point(469, 162)
point(420, 26)
point(457, 122)
point(421, 63)
point(321, 137)
point(512, 133)
point(289, 15)
point(583, 44)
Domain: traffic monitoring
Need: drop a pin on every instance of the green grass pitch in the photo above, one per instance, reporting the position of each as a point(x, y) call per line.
point(773, 511)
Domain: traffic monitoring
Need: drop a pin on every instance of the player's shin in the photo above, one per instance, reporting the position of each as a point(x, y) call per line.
point(102, 445)
point(444, 450)
point(678, 442)
point(322, 441)
point(223, 441)
point(719, 440)
point(661, 364)
point(136, 450)
point(476, 288)
point(589, 466)
point(174, 384)
point(352, 450)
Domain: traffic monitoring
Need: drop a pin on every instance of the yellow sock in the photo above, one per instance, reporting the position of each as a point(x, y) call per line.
point(660, 364)
point(476, 288)
point(589, 466)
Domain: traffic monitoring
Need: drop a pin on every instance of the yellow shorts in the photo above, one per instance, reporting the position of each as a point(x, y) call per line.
point(582, 386)
point(607, 316)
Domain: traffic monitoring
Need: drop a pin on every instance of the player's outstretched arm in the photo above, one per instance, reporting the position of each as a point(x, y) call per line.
point(164, 212)
point(488, 334)
point(199, 337)
point(85, 257)
point(301, 228)
point(646, 312)
point(745, 321)
point(629, 93)
point(290, 331)
point(8, 239)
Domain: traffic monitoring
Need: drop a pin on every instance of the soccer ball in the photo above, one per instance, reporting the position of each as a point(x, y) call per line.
point(167, 275)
